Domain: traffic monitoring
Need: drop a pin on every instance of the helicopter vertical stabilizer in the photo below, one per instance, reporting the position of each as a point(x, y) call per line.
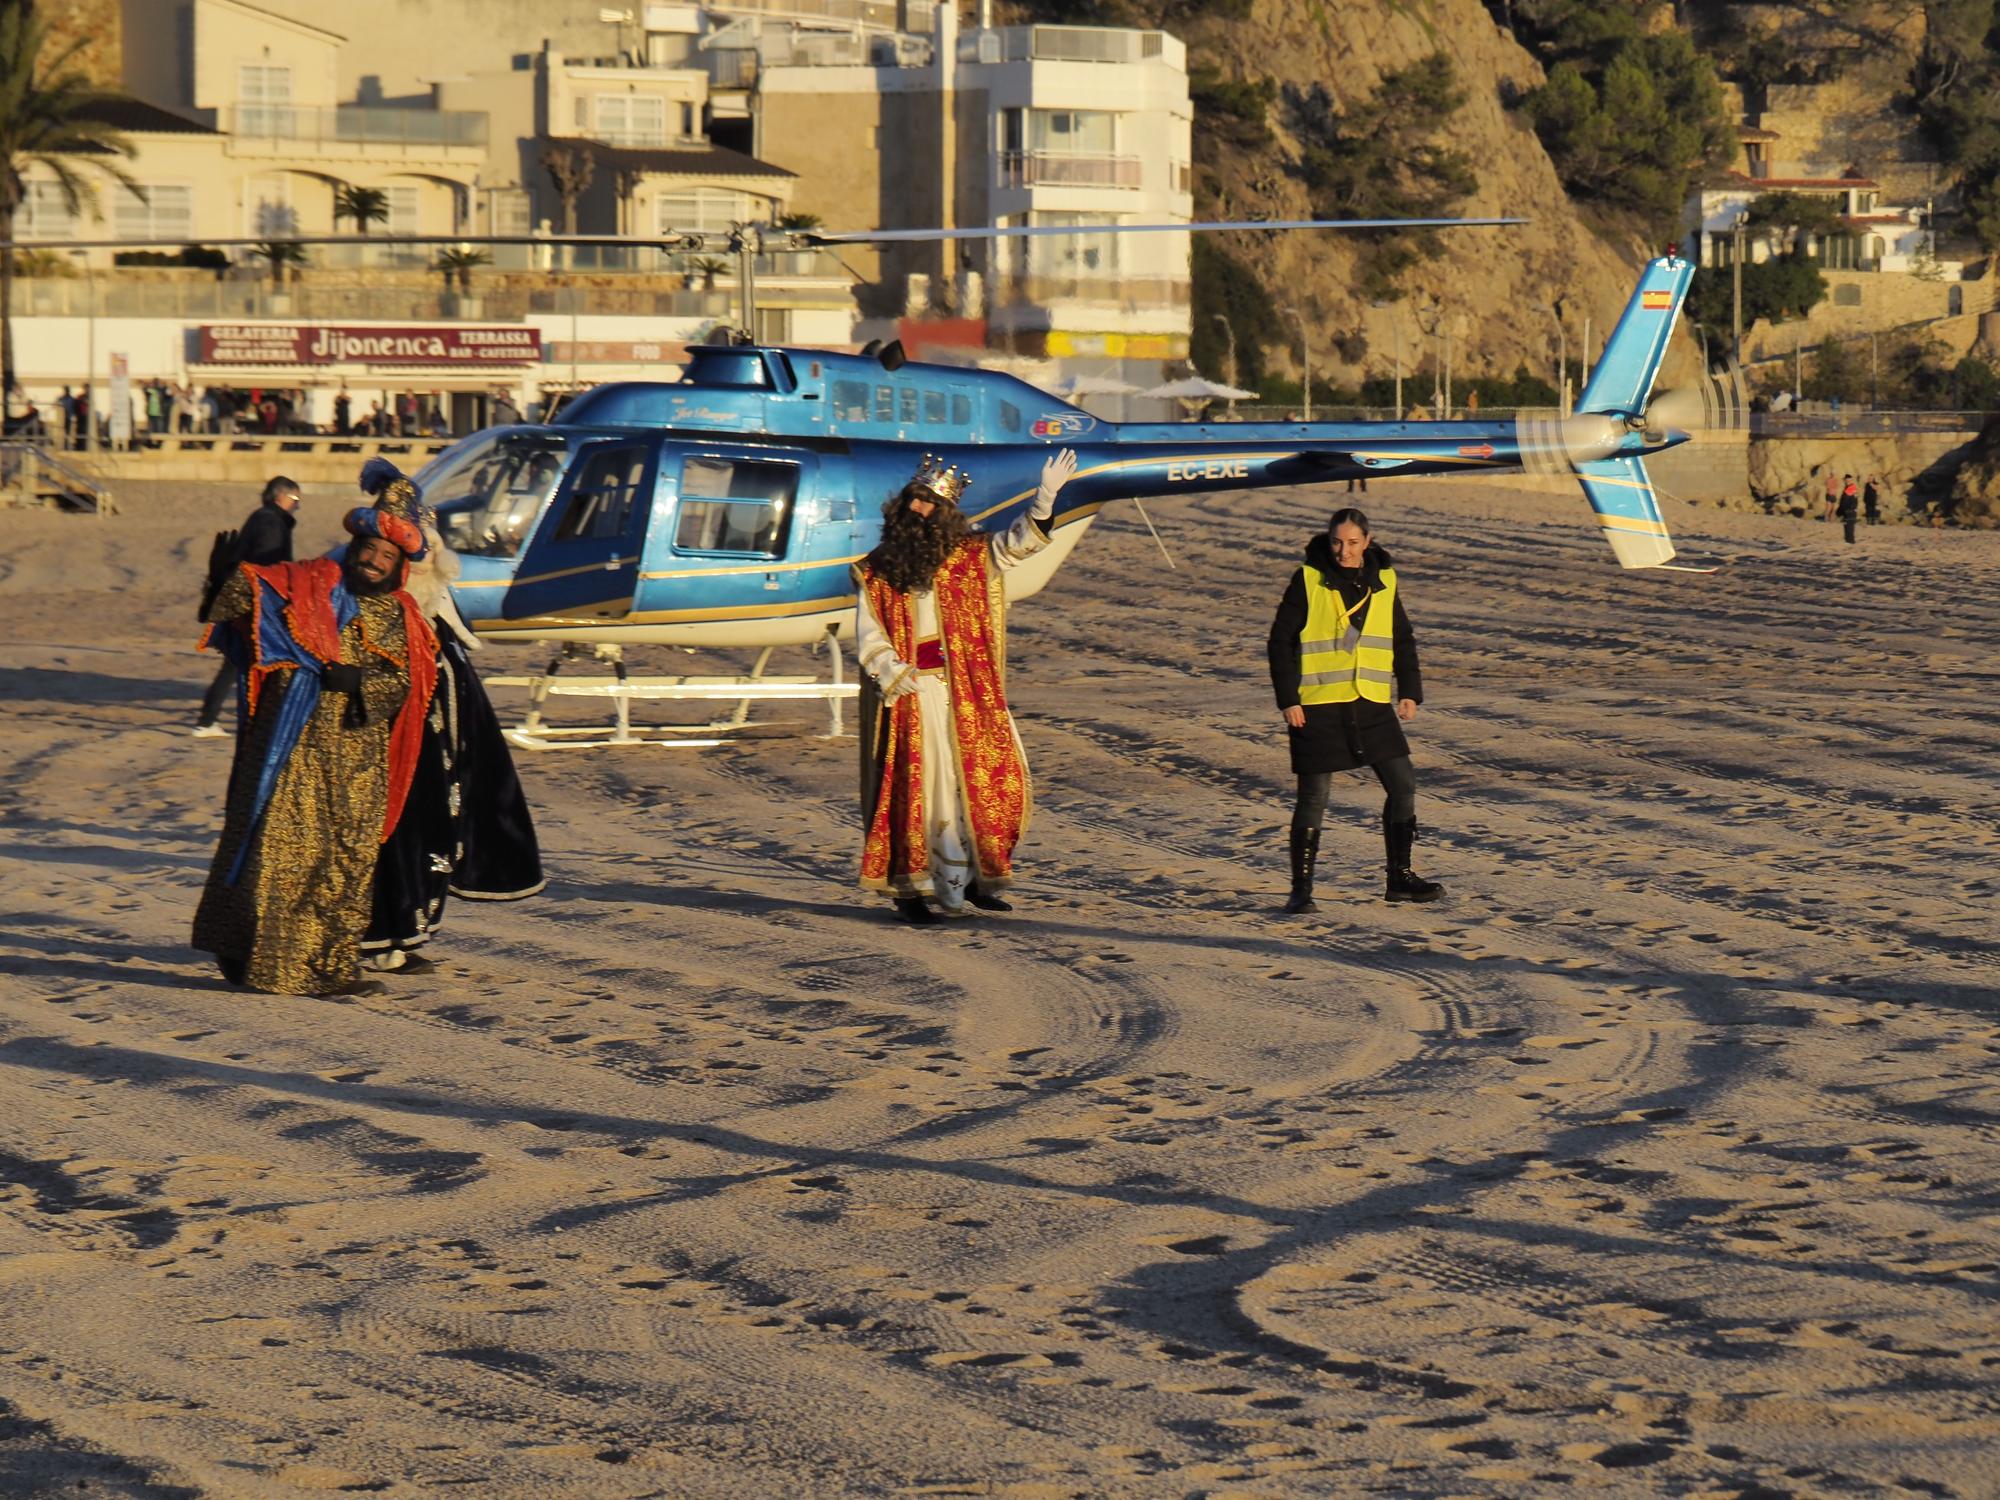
point(1616, 484)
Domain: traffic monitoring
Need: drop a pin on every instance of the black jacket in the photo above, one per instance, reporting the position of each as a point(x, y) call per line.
point(1354, 586)
point(266, 537)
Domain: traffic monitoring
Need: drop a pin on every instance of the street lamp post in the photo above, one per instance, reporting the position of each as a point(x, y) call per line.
point(1396, 325)
point(1562, 362)
point(1305, 364)
point(1736, 286)
point(1399, 369)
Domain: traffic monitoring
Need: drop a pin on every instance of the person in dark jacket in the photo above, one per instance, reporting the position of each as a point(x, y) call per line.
point(1344, 670)
point(1849, 507)
point(265, 538)
point(1871, 501)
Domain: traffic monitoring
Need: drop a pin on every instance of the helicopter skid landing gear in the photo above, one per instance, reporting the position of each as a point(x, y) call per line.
point(534, 733)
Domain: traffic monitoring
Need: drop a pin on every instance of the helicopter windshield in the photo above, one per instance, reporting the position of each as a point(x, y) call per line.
point(488, 493)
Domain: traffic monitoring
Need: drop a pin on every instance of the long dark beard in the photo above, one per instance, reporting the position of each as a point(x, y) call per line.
point(914, 547)
point(362, 588)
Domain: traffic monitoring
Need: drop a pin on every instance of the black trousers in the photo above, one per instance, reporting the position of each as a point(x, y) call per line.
point(1399, 789)
point(1847, 527)
point(219, 692)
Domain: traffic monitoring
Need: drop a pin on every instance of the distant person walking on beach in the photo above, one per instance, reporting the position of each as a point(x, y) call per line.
point(1344, 668)
point(1850, 507)
point(1871, 501)
point(944, 783)
point(339, 667)
point(265, 538)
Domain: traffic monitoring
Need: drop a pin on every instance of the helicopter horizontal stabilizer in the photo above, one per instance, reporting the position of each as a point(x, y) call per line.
point(1621, 493)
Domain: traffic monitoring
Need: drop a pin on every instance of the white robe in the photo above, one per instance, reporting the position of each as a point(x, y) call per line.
point(946, 819)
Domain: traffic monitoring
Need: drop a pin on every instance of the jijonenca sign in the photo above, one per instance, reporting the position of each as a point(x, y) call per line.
point(337, 344)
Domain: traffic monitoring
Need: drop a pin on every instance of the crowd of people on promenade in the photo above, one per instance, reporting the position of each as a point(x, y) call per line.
point(371, 781)
point(162, 409)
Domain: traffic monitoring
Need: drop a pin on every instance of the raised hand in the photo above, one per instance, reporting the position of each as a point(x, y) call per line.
point(1057, 472)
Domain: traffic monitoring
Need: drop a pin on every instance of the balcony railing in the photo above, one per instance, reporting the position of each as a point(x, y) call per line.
point(349, 125)
point(1062, 44)
point(1130, 294)
point(874, 15)
point(1061, 169)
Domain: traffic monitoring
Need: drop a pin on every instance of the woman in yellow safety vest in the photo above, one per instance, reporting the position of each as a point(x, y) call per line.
point(1344, 668)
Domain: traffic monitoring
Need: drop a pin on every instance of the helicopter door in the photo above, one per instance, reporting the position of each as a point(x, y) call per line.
point(737, 519)
point(584, 556)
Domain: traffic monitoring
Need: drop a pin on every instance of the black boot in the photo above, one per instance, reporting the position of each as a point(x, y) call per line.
point(1305, 853)
point(1405, 884)
point(916, 909)
point(985, 900)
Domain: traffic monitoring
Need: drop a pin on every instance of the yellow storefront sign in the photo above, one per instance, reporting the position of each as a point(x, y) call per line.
point(1061, 343)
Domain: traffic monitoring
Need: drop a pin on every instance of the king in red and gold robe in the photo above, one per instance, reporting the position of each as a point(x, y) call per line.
point(945, 795)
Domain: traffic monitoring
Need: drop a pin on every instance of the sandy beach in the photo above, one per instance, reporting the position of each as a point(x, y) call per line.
point(1662, 1157)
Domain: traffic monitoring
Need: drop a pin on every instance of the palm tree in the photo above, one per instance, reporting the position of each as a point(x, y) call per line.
point(284, 257)
point(796, 221)
point(457, 263)
point(364, 205)
point(46, 119)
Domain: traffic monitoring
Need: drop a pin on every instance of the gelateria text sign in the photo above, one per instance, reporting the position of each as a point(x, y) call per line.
point(452, 345)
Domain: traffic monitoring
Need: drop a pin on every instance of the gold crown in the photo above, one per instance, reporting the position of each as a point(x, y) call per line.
point(946, 483)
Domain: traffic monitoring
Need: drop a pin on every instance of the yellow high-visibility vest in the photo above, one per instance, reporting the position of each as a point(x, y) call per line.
point(1347, 654)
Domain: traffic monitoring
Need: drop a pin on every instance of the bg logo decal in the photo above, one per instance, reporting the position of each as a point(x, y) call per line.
point(1062, 424)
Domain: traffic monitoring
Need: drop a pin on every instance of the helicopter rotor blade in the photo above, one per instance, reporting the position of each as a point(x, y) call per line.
point(998, 232)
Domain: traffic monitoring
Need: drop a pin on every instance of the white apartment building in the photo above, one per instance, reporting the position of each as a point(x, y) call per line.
point(1869, 235)
point(1043, 126)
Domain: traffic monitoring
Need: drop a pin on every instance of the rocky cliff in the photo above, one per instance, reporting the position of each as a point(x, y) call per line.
point(1493, 289)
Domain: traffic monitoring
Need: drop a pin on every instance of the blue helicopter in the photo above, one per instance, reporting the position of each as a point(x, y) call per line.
point(725, 509)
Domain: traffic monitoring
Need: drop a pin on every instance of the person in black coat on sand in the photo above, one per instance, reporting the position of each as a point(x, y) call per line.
point(264, 538)
point(1344, 669)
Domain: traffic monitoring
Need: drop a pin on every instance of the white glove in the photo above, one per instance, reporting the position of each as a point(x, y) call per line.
point(1056, 473)
point(902, 682)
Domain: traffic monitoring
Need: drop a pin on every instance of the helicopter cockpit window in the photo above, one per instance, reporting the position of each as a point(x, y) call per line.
point(606, 489)
point(489, 490)
point(850, 401)
point(735, 505)
point(1010, 417)
point(934, 408)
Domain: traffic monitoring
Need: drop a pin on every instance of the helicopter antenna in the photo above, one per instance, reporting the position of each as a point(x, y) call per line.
point(1156, 535)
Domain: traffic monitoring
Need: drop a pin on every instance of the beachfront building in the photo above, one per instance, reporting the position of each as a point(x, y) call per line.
point(1886, 262)
point(895, 117)
point(249, 120)
point(1866, 234)
point(279, 140)
point(616, 146)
